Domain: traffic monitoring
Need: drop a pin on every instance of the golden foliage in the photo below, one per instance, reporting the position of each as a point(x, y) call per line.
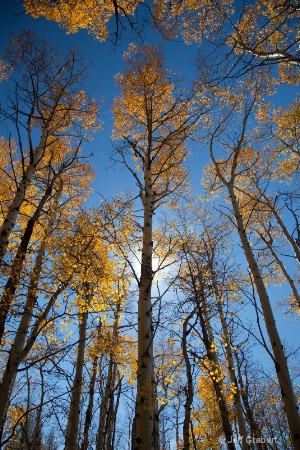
point(269, 32)
point(195, 19)
point(151, 118)
point(91, 14)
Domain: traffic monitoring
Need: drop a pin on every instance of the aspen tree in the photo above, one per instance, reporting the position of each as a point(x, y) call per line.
point(190, 386)
point(86, 257)
point(17, 264)
point(211, 237)
point(72, 431)
point(153, 120)
point(107, 414)
point(93, 353)
point(197, 285)
point(227, 171)
point(16, 353)
point(265, 204)
point(45, 98)
point(267, 34)
point(44, 272)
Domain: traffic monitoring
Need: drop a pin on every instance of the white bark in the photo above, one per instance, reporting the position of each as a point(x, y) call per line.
point(145, 400)
point(281, 367)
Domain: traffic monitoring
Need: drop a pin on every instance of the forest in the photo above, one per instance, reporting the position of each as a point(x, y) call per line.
point(164, 316)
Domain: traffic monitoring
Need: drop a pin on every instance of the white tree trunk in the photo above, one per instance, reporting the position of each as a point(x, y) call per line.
point(145, 399)
point(281, 367)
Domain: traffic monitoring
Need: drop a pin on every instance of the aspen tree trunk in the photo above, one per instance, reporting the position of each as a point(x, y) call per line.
point(217, 383)
point(14, 209)
point(108, 409)
point(254, 427)
point(36, 438)
point(16, 269)
point(237, 395)
point(114, 416)
point(89, 411)
point(72, 431)
point(281, 367)
point(18, 351)
point(190, 387)
point(145, 401)
point(25, 442)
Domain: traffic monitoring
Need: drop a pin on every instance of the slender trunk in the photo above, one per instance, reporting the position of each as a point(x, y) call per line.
point(36, 439)
point(25, 436)
point(190, 386)
point(145, 397)
point(215, 374)
point(281, 367)
point(236, 391)
point(18, 349)
point(284, 229)
point(14, 209)
point(16, 270)
point(114, 418)
point(72, 431)
point(254, 427)
point(282, 267)
point(89, 411)
point(108, 410)
point(235, 387)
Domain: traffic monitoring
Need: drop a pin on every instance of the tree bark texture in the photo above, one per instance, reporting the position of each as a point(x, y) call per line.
point(145, 397)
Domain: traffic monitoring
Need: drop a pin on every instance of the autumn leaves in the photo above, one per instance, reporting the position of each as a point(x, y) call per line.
point(69, 269)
